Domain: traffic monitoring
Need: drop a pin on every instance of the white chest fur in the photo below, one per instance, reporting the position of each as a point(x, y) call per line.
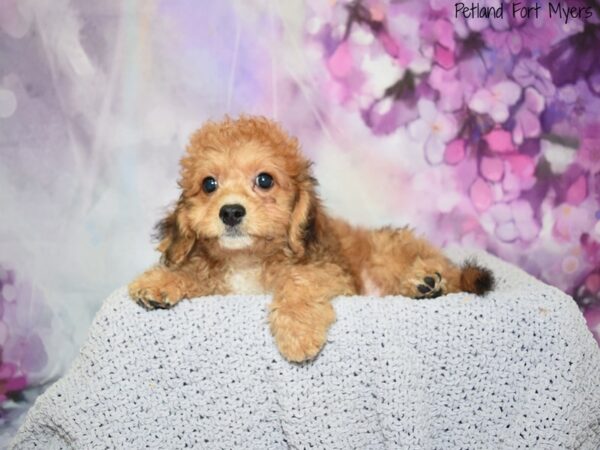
point(243, 277)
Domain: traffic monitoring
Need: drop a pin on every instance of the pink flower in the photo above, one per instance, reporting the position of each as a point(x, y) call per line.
point(500, 141)
point(492, 168)
point(522, 166)
point(340, 63)
point(481, 195)
point(440, 33)
point(518, 177)
point(443, 56)
point(529, 73)
point(514, 220)
point(527, 117)
point(449, 88)
point(443, 33)
point(577, 192)
point(507, 176)
point(504, 41)
point(496, 100)
point(455, 151)
point(434, 129)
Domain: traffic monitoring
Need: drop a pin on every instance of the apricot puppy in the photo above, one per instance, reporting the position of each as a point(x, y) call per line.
point(249, 221)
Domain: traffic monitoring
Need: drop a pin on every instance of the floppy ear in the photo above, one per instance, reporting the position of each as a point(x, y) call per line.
point(303, 226)
point(176, 238)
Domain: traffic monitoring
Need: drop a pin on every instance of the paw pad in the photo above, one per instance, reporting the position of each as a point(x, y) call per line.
point(431, 287)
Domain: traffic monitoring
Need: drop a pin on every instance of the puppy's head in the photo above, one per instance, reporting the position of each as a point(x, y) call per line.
point(245, 188)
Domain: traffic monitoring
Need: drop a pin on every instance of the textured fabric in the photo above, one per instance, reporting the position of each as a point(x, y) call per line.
point(517, 368)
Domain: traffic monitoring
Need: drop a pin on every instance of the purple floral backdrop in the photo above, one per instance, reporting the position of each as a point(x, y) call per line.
point(481, 131)
point(507, 109)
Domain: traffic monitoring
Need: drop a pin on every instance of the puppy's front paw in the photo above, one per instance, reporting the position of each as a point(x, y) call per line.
point(300, 337)
point(299, 343)
point(151, 292)
point(431, 286)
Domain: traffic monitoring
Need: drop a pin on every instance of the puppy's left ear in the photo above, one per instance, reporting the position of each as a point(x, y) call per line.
point(176, 238)
point(303, 222)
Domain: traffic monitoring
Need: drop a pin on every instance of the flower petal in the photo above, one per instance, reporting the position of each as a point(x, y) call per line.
point(499, 112)
point(521, 165)
point(434, 151)
point(507, 92)
point(340, 63)
point(481, 101)
point(444, 56)
point(507, 231)
point(419, 130)
point(427, 110)
point(534, 101)
point(577, 192)
point(492, 168)
point(501, 212)
point(499, 141)
point(455, 151)
point(481, 194)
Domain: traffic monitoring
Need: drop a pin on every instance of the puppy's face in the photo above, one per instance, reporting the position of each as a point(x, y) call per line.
point(241, 195)
point(242, 183)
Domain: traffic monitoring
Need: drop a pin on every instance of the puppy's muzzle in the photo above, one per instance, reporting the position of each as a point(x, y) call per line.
point(232, 215)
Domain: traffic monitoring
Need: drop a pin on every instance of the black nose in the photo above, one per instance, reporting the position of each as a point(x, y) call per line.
point(232, 214)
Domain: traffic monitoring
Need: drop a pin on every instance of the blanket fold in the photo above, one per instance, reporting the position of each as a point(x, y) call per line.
point(517, 368)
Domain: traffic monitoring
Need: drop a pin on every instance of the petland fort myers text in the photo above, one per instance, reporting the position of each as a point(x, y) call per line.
point(520, 10)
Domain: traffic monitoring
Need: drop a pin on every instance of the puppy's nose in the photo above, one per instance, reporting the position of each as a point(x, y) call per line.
point(232, 214)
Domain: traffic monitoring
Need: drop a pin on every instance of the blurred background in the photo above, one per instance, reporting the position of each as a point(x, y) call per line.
point(484, 132)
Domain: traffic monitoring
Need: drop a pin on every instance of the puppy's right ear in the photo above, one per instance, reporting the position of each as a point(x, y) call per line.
point(176, 238)
point(303, 228)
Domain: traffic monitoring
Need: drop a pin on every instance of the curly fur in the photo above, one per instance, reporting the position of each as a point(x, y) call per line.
point(286, 245)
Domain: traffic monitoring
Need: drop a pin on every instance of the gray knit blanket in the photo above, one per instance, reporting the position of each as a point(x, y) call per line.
point(516, 369)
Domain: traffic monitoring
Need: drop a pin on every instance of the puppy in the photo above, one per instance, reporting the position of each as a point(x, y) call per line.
point(249, 221)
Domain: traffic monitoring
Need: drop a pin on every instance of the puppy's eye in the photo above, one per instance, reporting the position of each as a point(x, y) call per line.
point(264, 181)
point(209, 184)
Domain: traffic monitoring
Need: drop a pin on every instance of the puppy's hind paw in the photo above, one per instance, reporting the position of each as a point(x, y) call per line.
point(430, 286)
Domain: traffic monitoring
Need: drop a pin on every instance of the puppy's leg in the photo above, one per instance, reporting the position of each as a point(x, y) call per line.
point(403, 264)
point(429, 276)
point(301, 311)
point(447, 277)
point(162, 287)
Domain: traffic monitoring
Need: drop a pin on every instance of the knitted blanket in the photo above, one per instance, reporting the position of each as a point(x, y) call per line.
point(515, 369)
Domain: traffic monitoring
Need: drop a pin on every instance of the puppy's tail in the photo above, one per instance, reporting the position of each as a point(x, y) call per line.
point(475, 278)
